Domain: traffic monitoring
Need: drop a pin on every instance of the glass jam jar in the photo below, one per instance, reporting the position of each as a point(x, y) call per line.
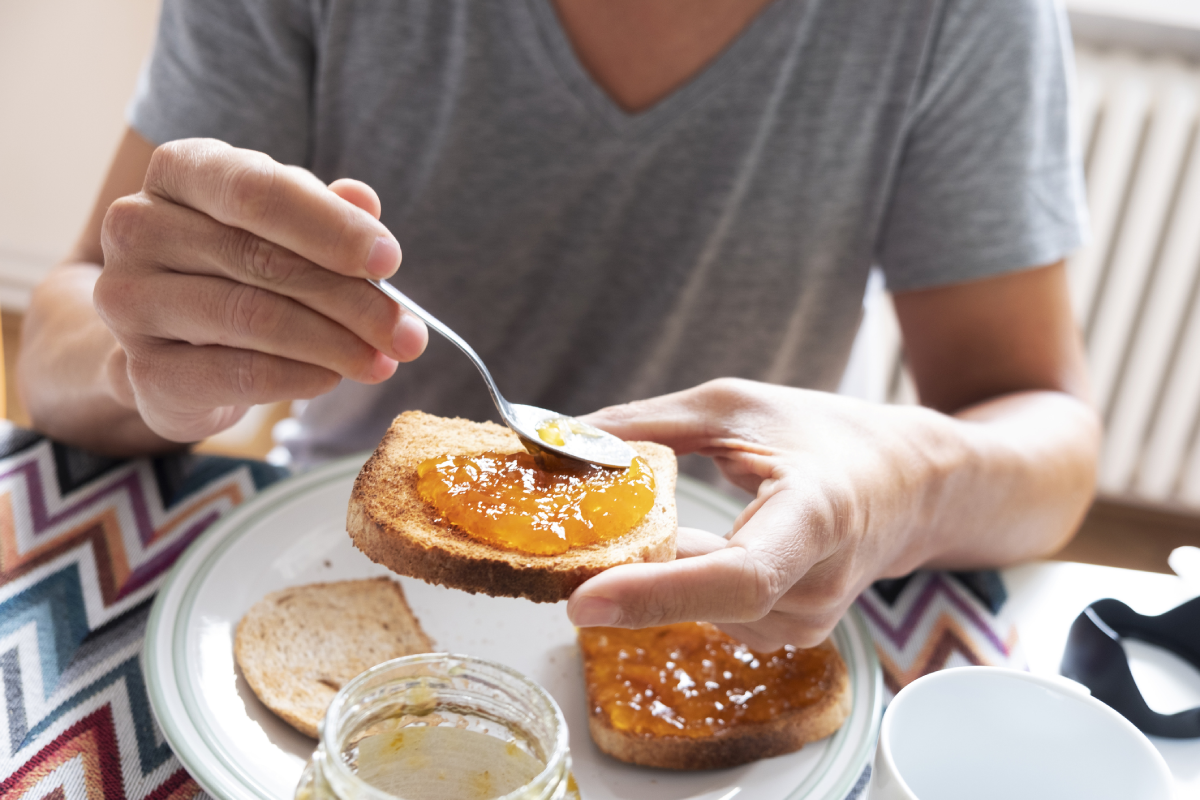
point(440, 727)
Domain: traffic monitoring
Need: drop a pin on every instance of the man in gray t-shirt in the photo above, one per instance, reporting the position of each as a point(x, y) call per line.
point(613, 200)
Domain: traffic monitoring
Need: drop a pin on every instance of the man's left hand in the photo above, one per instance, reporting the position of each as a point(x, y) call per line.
point(841, 487)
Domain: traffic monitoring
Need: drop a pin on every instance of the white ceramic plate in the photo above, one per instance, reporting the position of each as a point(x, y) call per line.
point(294, 533)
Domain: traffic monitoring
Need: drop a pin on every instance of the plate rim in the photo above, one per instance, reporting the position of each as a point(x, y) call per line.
point(172, 728)
point(226, 780)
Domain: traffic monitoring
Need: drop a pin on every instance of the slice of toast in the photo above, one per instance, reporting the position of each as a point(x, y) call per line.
point(390, 522)
point(739, 743)
point(299, 645)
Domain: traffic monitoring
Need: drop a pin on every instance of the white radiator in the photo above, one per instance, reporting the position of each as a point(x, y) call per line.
point(1135, 286)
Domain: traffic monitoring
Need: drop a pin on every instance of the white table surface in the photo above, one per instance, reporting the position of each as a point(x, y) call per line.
point(1045, 598)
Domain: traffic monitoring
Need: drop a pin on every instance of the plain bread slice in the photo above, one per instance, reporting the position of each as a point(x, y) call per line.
point(299, 645)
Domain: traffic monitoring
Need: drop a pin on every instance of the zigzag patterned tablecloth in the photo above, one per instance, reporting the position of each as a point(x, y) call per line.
point(85, 542)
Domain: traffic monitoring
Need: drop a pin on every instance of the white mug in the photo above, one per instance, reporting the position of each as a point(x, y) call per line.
point(987, 733)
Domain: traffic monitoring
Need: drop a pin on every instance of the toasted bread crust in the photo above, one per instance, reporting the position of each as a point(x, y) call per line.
point(739, 744)
point(297, 646)
point(393, 526)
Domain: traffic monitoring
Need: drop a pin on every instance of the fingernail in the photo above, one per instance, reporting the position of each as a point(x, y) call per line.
point(596, 611)
point(384, 257)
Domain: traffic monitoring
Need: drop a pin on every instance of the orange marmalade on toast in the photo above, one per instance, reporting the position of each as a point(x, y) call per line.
point(511, 500)
point(691, 680)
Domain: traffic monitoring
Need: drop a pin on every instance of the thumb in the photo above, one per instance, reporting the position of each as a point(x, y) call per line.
point(720, 586)
point(738, 580)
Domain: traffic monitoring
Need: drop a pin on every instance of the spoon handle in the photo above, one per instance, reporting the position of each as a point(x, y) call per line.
point(403, 300)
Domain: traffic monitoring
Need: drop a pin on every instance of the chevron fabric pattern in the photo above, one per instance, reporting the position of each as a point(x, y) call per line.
point(84, 544)
point(935, 620)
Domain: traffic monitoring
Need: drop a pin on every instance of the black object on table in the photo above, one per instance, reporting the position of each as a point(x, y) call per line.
point(1094, 657)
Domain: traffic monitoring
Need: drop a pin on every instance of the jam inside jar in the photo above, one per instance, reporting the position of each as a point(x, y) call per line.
point(510, 500)
point(437, 727)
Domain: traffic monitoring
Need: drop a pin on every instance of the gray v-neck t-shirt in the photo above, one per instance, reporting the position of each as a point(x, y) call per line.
point(593, 256)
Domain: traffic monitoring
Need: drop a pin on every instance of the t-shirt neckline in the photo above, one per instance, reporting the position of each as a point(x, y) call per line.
point(765, 37)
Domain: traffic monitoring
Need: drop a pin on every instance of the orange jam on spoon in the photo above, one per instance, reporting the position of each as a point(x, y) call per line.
point(509, 500)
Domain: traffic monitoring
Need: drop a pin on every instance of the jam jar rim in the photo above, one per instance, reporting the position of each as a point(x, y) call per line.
point(554, 762)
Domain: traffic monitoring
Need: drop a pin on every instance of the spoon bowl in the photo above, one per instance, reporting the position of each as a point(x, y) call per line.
point(541, 431)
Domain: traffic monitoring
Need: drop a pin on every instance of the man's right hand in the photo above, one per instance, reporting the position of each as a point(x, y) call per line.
point(231, 280)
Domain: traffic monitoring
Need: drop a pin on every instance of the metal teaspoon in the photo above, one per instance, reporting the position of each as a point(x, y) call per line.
point(581, 441)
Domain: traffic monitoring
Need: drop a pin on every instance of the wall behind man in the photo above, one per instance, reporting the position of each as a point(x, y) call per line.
point(67, 70)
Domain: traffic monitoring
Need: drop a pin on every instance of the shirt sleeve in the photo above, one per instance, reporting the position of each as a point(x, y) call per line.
point(990, 178)
point(235, 70)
